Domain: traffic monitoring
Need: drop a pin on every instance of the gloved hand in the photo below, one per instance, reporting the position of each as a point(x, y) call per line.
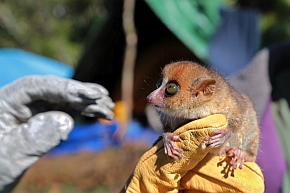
point(36, 114)
point(198, 170)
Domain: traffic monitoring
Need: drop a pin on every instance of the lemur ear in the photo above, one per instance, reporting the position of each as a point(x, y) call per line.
point(205, 88)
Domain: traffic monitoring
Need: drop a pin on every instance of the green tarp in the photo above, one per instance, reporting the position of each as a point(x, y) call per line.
point(192, 21)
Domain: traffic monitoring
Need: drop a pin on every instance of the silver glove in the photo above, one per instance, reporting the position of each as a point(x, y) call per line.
point(36, 114)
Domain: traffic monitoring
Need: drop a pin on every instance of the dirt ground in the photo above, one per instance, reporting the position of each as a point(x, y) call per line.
point(85, 172)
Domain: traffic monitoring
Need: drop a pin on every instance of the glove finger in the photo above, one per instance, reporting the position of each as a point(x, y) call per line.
point(98, 87)
point(105, 100)
point(98, 111)
point(90, 91)
point(102, 100)
point(82, 91)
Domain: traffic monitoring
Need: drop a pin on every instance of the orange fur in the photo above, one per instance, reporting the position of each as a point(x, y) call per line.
point(203, 92)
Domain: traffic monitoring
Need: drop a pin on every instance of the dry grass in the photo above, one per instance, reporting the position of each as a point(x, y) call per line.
point(103, 172)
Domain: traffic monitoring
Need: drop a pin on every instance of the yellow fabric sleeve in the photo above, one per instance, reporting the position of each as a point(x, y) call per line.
point(197, 171)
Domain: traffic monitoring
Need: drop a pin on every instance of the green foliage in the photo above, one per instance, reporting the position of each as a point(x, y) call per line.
point(276, 23)
point(55, 28)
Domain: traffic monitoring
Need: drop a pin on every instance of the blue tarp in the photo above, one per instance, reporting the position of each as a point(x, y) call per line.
point(89, 137)
point(95, 137)
point(16, 63)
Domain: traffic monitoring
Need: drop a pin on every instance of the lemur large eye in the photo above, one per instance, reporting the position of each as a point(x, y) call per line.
point(172, 88)
point(159, 82)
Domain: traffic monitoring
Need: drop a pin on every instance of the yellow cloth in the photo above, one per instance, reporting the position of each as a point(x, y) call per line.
point(196, 171)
